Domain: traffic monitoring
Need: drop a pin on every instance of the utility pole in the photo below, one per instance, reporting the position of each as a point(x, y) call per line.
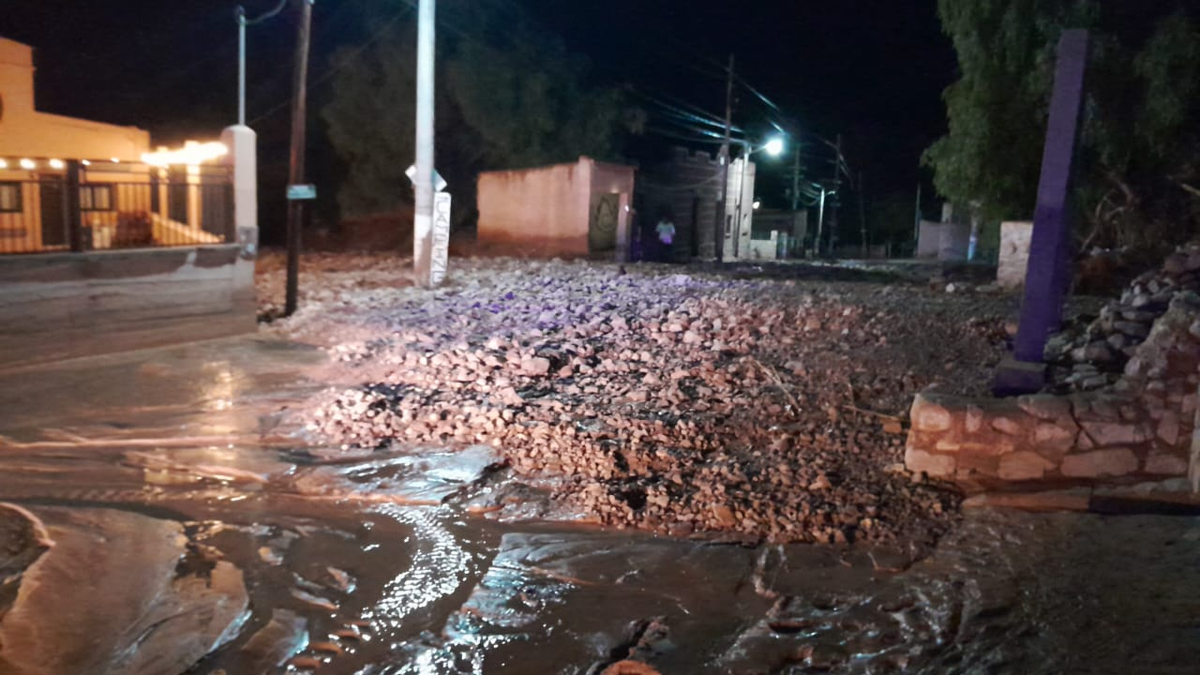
point(722, 207)
point(295, 214)
point(862, 217)
point(423, 187)
point(241, 21)
point(837, 182)
point(796, 179)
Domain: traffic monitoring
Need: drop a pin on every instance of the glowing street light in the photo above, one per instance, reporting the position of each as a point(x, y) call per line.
point(774, 147)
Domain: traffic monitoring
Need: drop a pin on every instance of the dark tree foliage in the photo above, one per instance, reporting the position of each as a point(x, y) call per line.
point(508, 96)
point(1139, 161)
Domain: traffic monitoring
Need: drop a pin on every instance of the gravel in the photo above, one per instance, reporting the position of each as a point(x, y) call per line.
point(663, 398)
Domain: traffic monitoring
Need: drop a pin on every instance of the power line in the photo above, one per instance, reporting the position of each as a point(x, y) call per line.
point(343, 62)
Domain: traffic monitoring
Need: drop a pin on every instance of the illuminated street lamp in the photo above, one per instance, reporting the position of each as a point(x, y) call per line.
point(774, 147)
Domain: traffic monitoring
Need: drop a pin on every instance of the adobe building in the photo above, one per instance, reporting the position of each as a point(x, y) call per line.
point(569, 210)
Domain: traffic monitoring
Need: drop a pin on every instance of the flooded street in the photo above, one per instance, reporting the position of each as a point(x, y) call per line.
point(194, 533)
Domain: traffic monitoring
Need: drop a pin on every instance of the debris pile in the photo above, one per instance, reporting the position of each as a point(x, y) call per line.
point(674, 403)
point(1094, 356)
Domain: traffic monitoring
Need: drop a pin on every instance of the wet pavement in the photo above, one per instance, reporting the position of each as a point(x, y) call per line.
point(189, 519)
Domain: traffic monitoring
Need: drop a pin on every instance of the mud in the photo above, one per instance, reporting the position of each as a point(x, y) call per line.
point(437, 561)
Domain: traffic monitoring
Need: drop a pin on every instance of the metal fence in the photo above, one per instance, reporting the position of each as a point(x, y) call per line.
point(109, 205)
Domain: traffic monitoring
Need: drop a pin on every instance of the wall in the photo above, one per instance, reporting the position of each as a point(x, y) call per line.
point(1142, 428)
point(739, 213)
point(1014, 253)
point(25, 132)
point(608, 179)
point(545, 211)
point(687, 188)
point(65, 305)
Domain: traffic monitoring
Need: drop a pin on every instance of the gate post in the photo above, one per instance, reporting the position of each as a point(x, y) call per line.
point(244, 164)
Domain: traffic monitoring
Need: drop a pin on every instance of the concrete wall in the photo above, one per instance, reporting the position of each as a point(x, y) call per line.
point(608, 180)
point(1014, 253)
point(65, 305)
point(546, 211)
point(944, 241)
point(25, 132)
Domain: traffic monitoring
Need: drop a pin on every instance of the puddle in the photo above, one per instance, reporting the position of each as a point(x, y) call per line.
point(435, 561)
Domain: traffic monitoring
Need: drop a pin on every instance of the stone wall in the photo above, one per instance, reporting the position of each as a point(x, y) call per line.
point(1014, 253)
point(1140, 428)
point(65, 305)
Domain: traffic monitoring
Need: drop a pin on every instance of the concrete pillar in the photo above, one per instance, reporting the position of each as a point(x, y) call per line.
point(242, 157)
point(623, 208)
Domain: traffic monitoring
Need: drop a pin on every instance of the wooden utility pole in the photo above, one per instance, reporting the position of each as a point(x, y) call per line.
point(722, 207)
point(862, 217)
point(295, 213)
point(836, 182)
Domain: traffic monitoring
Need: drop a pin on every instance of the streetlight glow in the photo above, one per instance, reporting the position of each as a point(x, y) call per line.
point(774, 147)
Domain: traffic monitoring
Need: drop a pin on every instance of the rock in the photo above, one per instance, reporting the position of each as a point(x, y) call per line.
point(1098, 463)
point(1098, 352)
point(937, 466)
point(1166, 464)
point(1008, 426)
point(1045, 406)
point(535, 366)
point(1115, 433)
point(1175, 264)
point(929, 416)
point(1023, 466)
point(1132, 329)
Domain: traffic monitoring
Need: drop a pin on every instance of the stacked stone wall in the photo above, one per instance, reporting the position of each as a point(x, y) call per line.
point(1140, 428)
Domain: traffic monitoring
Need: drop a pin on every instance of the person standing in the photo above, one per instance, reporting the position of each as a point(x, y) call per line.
point(665, 230)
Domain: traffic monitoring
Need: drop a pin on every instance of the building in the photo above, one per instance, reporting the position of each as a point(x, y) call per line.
point(686, 189)
point(573, 210)
point(107, 244)
point(69, 183)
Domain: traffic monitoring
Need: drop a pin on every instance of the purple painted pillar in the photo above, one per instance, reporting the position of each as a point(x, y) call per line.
point(1048, 274)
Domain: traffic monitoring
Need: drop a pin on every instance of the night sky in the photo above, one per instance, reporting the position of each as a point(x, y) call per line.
point(870, 70)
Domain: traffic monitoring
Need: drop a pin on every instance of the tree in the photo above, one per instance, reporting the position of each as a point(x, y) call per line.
point(1139, 152)
point(507, 98)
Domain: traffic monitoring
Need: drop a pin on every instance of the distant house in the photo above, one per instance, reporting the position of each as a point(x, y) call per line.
point(686, 188)
point(69, 183)
point(573, 210)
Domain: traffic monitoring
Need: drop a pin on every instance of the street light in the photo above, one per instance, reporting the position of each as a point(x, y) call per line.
point(773, 147)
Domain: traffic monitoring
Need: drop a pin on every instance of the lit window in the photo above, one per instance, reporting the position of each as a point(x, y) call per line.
point(95, 197)
point(10, 198)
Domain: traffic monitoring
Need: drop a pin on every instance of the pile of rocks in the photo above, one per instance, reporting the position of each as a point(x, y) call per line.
point(667, 402)
point(1094, 356)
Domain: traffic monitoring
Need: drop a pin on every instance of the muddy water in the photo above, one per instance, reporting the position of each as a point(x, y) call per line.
point(429, 562)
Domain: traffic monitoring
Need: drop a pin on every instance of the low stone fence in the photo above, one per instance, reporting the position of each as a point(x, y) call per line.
point(1139, 429)
point(64, 305)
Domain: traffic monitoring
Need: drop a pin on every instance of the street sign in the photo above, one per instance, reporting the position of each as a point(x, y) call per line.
point(441, 238)
point(305, 191)
point(439, 183)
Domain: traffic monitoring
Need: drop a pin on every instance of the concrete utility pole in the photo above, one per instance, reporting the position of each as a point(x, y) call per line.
point(722, 207)
point(295, 214)
point(241, 21)
point(423, 181)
